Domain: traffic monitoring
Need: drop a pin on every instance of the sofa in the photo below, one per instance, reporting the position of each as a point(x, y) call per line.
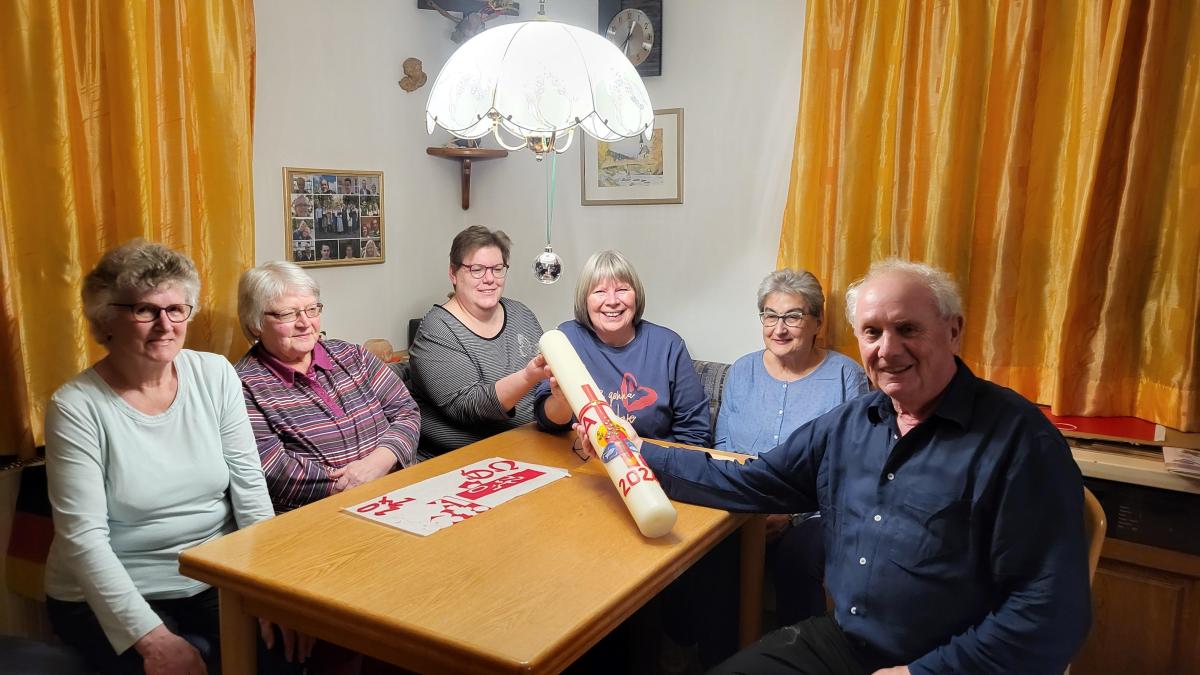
point(712, 376)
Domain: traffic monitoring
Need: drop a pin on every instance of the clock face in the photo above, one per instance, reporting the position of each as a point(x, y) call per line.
point(631, 31)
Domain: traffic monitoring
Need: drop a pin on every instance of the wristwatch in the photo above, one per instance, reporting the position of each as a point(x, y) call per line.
point(797, 518)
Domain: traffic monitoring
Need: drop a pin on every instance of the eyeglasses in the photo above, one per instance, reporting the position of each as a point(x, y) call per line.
point(289, 315)
point(145, 312)
point(577, 448)
point(477, 271)
point(791, 319)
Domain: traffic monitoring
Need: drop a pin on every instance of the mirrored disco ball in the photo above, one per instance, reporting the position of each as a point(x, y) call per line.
point(548, 267)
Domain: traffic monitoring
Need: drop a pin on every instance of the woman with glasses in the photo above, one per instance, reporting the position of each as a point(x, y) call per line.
point(646, 373)
point(644, 369)
point(327, 415)
point(768, 395)
point(148, 453)
point(475, 358)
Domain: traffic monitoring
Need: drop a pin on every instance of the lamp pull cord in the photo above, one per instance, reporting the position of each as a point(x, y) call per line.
point(551, 182)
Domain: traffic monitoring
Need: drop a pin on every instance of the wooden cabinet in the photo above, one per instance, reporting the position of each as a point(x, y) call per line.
point(1146, 613)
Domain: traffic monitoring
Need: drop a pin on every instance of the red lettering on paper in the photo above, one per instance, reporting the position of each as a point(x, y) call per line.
point(386, 505)
point(456, 510)
point(477, 489)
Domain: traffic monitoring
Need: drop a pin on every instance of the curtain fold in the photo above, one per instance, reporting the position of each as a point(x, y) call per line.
point(1044, 152)
point(117, 120)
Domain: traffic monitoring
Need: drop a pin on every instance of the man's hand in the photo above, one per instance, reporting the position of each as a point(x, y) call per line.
point(894, 670)
point(378, 463)
point(165, 653)
point(297, 645)
point(586, 441)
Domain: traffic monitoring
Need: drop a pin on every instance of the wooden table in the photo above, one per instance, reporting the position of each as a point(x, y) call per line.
point(525, 588)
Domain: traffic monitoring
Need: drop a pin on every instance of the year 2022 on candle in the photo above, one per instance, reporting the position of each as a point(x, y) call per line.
point(612, 438)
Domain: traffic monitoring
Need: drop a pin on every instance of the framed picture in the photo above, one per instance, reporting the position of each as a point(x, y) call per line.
point(333, 217)
point(634, 170)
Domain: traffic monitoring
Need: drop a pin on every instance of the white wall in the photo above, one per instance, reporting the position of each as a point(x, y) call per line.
point(327, 98)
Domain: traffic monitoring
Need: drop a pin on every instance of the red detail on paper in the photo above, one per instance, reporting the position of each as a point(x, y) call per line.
point(1120, 428)
point(385, 505)
point(457, 510)
point(474, 489)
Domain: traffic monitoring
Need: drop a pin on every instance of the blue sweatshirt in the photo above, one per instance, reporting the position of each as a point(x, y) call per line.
point(650, 382)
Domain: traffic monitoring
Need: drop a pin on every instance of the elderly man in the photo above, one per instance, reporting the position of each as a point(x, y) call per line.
point(952, 509)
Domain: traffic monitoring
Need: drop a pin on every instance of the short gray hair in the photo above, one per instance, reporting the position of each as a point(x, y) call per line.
point(262, 285)
point(136, 267)
point(604, 265)
point(940, 285)
point(794, 282)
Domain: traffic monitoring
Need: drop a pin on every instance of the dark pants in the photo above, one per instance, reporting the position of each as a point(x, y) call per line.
point(195, 619)
point(701, 606)
point(796, 563)
point(815, 646)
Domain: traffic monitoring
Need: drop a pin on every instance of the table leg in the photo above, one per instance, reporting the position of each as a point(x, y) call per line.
point(753, 556)
point(238, 636)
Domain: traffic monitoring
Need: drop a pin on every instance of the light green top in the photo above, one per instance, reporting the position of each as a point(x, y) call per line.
point(129, 491)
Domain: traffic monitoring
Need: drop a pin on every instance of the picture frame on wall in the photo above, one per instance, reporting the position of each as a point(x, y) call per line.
point(636, 170)
point(333, 217)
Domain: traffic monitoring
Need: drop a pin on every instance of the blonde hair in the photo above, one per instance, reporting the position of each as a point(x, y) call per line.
point(604, 265)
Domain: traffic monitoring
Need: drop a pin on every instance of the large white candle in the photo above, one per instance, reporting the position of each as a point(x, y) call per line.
point(612, 437)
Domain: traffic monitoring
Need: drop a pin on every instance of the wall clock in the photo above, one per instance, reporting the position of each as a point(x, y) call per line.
point(635, 27)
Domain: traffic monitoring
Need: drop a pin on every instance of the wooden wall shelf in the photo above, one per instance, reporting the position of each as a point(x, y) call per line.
point(464, 157)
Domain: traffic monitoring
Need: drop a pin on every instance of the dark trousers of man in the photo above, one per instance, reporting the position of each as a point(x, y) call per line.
point(796, 563)
point(814, 646)
point(195, 619)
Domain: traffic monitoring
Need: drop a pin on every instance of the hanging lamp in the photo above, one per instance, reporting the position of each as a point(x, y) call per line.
point(540, 82)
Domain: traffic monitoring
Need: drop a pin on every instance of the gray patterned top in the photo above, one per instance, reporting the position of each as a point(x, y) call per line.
point(454, 374)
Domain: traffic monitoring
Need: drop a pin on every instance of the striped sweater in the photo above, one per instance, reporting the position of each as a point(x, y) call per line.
point(455, 373)
point(309, 424)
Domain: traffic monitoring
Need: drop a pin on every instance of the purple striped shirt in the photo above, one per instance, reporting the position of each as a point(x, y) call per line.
point(309, 424)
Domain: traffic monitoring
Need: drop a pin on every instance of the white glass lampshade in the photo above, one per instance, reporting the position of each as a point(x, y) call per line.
point(539, 80)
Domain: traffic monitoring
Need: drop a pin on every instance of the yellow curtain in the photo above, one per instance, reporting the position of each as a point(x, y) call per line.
point(118, 119)
point(1044, 152)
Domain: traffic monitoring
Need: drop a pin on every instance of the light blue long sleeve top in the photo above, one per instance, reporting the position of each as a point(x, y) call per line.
point(758, 412)
point(129, 491)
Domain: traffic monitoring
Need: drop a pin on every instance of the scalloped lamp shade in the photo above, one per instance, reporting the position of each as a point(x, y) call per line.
point(539, 80)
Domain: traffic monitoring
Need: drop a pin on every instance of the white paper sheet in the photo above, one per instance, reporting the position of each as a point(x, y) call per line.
point(439, 502)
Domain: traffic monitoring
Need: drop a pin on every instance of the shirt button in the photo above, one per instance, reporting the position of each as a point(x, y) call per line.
point(878, 517)
point(780, 412)
point(895, 436)
point(854, 610)
point(776, 438)
point(862, 561)
point(891, 476)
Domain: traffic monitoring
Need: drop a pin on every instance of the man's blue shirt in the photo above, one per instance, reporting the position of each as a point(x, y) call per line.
point(958, 547)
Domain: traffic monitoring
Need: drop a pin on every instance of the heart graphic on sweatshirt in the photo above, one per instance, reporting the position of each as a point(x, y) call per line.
point(634, 396)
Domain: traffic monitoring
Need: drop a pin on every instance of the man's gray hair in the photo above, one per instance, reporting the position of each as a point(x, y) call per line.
point(944, 290)
point(262, 285)
point(602, 266)
point(794, 282)
point(131, 269)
